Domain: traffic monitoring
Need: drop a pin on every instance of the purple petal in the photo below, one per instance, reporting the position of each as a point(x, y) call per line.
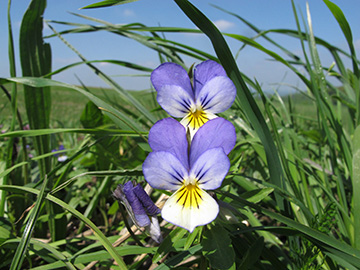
point(150, 208)
point(140, 215)
point(215, 133)
point(204, 72)
point(210, 168)
point(175, 100)
point(217, 95)
point(162, 170)
point(169, 135)
point(171, 74)
point(61, 147)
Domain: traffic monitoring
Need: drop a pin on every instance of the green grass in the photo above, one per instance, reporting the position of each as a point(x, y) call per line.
point(67, 105)
point(293, 186)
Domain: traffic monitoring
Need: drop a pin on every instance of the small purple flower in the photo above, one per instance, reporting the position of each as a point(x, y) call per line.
point(61, 157)
point(189, 171)
point(140, 206)
point(196, 102)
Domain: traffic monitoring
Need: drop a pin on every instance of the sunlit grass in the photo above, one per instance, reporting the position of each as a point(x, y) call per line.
point(290, 201)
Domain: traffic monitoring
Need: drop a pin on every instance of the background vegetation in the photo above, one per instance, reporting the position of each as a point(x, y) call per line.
point(293, 190)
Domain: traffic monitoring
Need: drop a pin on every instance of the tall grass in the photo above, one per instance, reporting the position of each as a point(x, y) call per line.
point(293, 187)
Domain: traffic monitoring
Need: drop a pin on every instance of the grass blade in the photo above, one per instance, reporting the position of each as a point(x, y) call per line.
point(10, 144)
point(122, 92)
point(244, 99)
point(26, 237)
point(35, 58)
point(100, 236)
point(345, 27)
point(108, 3)
point(356, 187)
point(122, 120)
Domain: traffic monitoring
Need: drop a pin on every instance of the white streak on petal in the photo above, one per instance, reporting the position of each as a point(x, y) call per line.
point(190, 216)
point(210, 168)
point(162, 170)
point(154, 230)
point(175, 100)
point(217, 95)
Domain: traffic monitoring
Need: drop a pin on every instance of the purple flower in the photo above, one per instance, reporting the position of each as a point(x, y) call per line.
point(140, 206)
point(189, 171)
point(61, 157)
point(211, 92)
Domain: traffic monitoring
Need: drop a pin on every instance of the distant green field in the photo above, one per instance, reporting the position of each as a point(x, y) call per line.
point(68, 104)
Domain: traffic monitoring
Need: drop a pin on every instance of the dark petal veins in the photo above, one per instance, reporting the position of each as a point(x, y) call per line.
point(185, 105)
point(137, 208)
point(179, 176)
point(150, 208)
point(183, 192)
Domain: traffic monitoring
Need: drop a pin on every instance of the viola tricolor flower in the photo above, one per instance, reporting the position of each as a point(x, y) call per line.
point(61, 157)
point(189, 171)
point(194, 100)
point(139, 206)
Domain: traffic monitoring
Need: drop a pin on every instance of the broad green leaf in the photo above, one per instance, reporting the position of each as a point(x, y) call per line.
point(252, 255)
point(217, 247)
point(91, 116)
point(35, 58)
point(5, 230)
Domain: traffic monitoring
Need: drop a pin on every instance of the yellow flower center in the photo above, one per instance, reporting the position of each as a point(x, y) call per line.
point(189, 195)
point(195, 119)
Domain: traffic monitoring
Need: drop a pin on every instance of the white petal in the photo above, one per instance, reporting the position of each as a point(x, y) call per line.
point(154, 230)
point(189, 209)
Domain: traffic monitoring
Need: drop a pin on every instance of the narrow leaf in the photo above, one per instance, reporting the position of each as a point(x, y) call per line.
point(108, 3)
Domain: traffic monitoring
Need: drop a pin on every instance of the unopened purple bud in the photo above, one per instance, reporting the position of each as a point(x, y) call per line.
point(150, 208)
point(140, 215)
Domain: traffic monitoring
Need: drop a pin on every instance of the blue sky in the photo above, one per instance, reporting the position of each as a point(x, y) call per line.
point(265, 14)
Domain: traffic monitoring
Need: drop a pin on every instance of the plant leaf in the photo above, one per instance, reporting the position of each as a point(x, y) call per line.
point(217, 247)
point(108, 3)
